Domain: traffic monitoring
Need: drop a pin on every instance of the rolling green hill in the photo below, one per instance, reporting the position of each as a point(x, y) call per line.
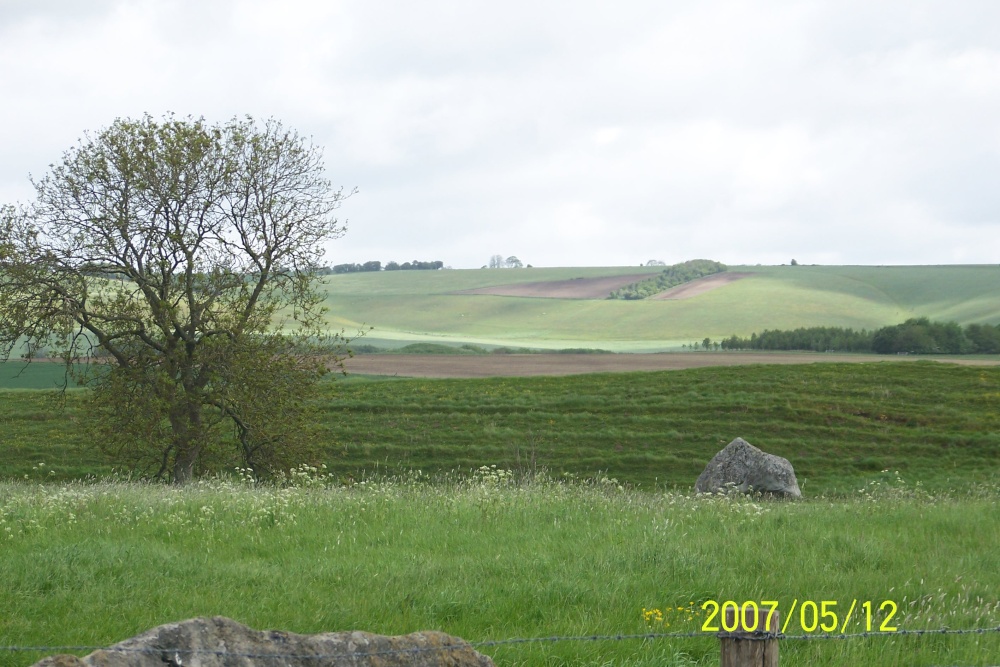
point(424, 305)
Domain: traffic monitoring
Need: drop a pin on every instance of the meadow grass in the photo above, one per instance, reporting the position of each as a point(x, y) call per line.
point(839, 424)
point(423, 306)
point(491, 557)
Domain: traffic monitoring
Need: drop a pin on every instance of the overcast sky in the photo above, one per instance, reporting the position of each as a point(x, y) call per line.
point(576, 133)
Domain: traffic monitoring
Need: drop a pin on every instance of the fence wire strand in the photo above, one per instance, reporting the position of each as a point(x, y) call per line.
point(492, 643)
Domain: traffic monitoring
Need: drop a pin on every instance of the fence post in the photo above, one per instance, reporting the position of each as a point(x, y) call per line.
point(745, 645)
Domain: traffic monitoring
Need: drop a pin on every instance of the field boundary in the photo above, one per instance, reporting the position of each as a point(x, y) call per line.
point(556, 364)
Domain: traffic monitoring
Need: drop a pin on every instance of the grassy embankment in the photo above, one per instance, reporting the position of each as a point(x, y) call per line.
point(488, 559)
point(839, 424)
point(421, 305)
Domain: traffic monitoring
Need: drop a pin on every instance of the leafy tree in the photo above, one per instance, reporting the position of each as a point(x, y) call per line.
point(346, 268)
point(177, 262)
point(916, 336)
point(983, 338)
point(513, 262)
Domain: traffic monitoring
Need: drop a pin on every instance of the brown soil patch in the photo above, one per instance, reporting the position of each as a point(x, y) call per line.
point(699, 286)
point(521, 365)
point(576, 288)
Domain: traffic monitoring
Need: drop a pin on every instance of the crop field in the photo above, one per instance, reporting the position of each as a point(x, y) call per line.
point(442, 305)
point(937, 423)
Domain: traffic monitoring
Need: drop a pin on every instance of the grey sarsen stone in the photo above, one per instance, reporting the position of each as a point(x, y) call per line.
point(742, 467)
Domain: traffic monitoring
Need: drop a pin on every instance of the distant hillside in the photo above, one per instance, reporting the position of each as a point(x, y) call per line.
point(431, 306)
point(672, 276)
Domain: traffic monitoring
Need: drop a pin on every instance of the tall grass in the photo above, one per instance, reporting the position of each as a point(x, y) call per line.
point(493, 557)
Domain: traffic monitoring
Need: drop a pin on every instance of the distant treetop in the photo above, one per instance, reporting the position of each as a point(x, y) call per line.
point(415, 265)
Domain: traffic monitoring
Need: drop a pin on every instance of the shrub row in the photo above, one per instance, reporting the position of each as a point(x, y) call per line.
point(674, 275)
point(914, 336)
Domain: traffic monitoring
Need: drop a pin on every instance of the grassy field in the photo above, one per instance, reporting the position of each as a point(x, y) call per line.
point(486, 558)
point(839, 424)
point(421, 305)
point(533, 507)
point(536, 507)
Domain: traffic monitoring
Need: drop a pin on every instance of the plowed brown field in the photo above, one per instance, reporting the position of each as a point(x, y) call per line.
point(699, 286)
point(600, 288)
point(519, 365)
point(576, 288)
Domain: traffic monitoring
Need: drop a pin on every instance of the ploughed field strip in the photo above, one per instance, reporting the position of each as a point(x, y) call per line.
point(700, 286)
point(599, 288)
point(576, 288)
point(525, 365)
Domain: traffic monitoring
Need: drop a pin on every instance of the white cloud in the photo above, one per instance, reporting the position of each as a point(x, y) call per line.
point(578, 133)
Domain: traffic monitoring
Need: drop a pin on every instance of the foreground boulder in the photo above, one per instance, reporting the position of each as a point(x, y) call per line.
point(222, 642)
point(744, 468)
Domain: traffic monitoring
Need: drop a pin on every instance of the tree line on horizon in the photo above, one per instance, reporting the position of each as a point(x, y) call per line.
point(914, 336)
point(375, 265)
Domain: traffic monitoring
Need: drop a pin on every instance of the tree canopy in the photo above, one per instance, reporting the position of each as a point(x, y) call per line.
point(914, 336)
point(175, 262)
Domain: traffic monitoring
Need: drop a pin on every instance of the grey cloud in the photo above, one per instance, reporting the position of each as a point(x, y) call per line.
point(565, 134)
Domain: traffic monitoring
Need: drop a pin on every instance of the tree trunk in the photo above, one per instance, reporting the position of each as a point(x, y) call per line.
point(185, 421)
point(184, 466)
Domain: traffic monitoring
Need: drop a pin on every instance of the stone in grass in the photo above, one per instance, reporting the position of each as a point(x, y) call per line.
point(222, 642)
point(745, 468)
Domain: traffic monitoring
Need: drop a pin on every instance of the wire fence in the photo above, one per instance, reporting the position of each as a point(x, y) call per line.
point(492, 643)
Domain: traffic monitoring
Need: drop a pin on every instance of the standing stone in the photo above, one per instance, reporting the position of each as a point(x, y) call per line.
point(222, 642)
point(744, 468)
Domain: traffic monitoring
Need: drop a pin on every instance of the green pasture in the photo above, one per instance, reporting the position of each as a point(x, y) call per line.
point(937, 424)
point(35, 375)
point(488, 556)
point(422, 305)
point(395, 283)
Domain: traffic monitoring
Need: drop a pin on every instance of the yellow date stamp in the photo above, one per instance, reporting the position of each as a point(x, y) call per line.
point(813, 616)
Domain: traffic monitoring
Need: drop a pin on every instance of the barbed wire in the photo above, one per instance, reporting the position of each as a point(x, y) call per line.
point(417, 649)
point(492, 643)
point(905, 633)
